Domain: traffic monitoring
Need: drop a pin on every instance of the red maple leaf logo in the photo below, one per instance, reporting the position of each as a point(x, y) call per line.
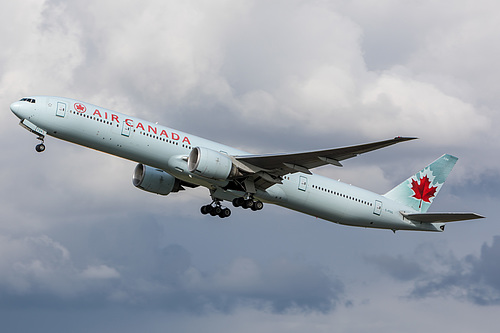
point(423, 191)
point(80, 107)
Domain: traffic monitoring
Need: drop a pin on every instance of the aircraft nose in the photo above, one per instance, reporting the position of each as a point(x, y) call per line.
point(16, 108)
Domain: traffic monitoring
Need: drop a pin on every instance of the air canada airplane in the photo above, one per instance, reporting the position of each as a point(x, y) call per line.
point(171, 161)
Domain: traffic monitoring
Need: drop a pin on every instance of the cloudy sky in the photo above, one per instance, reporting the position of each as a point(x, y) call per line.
point(82, 250)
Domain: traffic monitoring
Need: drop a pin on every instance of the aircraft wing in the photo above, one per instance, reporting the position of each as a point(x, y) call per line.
point(441, 217)
point(263, 171)
point(282, 164)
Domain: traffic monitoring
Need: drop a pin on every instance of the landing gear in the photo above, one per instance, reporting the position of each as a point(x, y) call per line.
point(248, 203)
point(257, 205)
point(215, 209)
point(41, 146)
point(238, 202)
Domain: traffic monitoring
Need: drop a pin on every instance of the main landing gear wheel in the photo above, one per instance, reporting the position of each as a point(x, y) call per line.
point(216, 210)
point(257, 205)
point(40, 147)
point(238, 202)
point(226, 212)
point(248, 203)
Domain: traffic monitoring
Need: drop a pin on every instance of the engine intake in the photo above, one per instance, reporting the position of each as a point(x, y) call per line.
point(154, 180)
point(211, 164)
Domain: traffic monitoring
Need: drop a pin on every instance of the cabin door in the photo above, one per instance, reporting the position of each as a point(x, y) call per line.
point(126, 127)
point(377, 209)
point(61, 109)
point(302, 183)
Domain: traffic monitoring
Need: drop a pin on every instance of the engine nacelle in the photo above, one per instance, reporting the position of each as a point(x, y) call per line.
point(155, 180)
point(211, 164)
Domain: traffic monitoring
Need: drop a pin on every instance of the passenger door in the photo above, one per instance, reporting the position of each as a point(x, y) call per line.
point(377, 209)
point(126, 127)
point(303, 183)
point(61, 109)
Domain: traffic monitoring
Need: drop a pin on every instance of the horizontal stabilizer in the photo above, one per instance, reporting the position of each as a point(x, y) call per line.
point(441, 217)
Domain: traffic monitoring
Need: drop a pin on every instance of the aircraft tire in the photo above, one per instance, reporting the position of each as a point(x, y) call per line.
point(40, 147)
point(226, 212)
point(238, 202)
point(206, 209)
point(248, 204)
point(257, 205)
point(216, 211)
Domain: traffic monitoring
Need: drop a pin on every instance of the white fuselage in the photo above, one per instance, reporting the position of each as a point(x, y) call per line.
point(167, 149)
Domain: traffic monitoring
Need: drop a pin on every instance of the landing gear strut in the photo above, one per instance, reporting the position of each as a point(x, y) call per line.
point(41, 146)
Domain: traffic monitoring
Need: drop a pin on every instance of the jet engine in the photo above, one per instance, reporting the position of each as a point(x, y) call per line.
point(211, 164)
point(155, 180)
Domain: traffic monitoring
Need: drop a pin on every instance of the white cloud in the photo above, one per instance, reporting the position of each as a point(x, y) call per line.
point(33, 263)
point(45, 52)
point(100, 272)
point(421, 109)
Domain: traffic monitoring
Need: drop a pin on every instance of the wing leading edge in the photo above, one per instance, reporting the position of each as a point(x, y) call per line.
point(282, 164)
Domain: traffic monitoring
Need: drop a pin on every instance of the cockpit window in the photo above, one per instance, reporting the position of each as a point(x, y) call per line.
point(29, 100)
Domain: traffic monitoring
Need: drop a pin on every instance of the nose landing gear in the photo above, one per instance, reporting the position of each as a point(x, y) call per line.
point(41, 146)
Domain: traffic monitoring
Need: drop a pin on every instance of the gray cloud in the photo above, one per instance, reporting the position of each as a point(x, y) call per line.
point(399, 268)
point(476, 279)
point(281, 285)
point(130, 268)
point(436, 274)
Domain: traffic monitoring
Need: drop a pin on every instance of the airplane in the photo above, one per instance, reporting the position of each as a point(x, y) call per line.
point(171, 160)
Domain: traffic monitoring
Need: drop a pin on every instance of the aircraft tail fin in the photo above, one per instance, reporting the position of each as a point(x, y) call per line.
point(419, 191)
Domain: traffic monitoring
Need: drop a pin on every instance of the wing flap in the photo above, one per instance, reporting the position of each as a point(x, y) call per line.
point(441, 217)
